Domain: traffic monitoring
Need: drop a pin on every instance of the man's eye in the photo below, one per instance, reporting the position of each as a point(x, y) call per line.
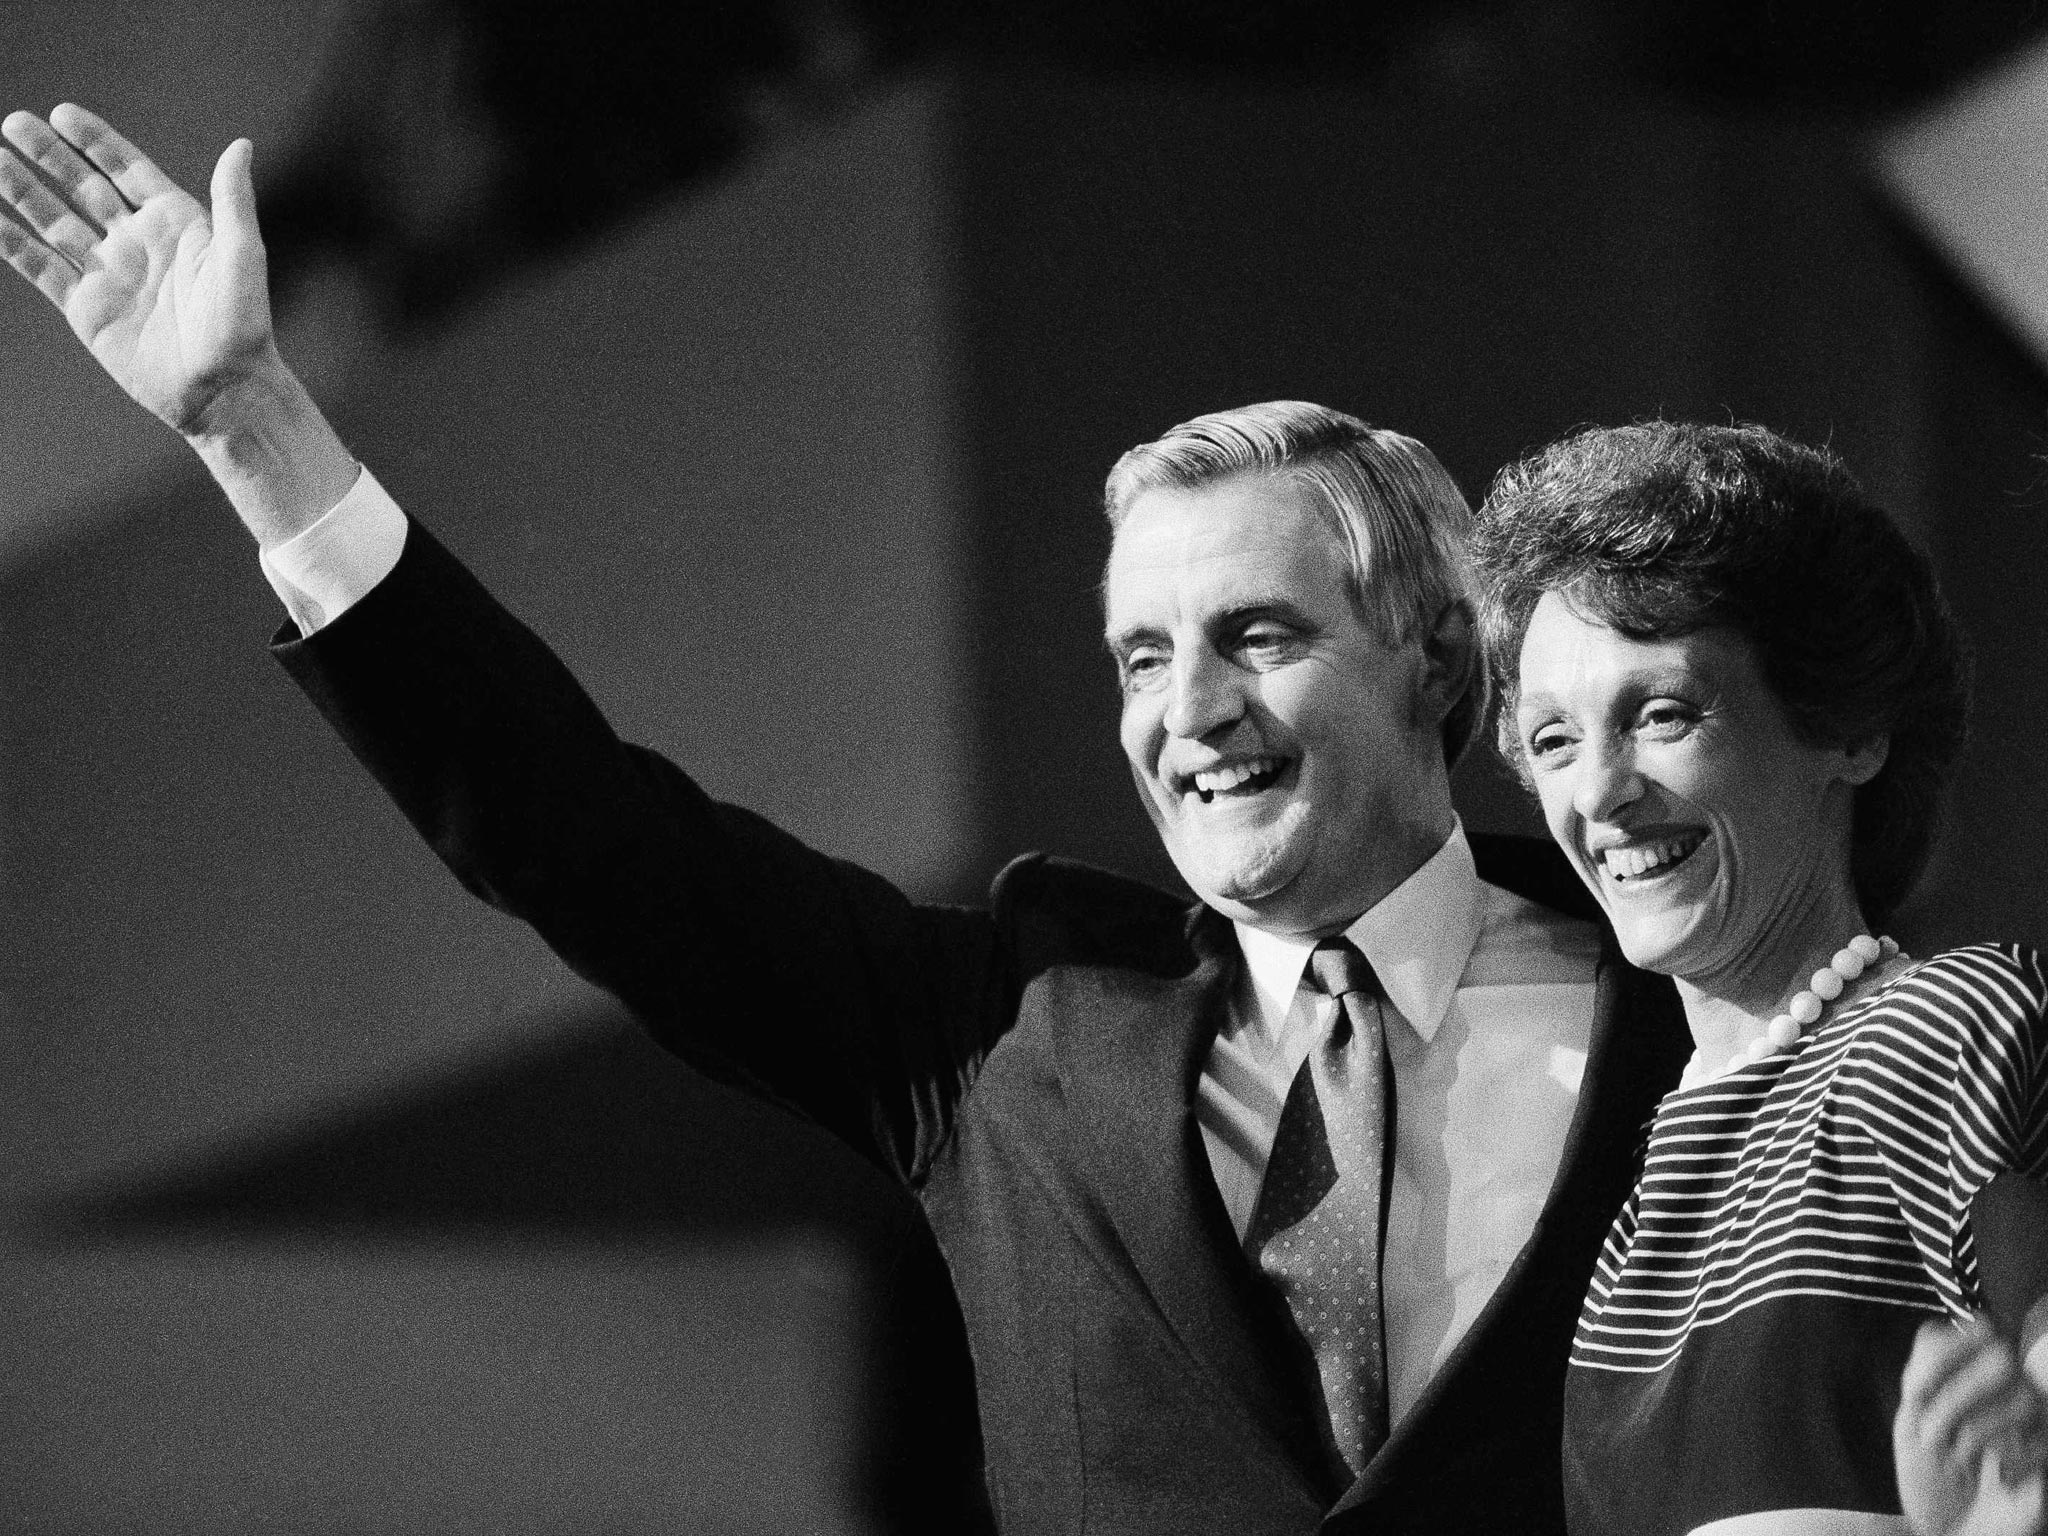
point(1666, 719)
point(1141, 667)
point(1265, 644)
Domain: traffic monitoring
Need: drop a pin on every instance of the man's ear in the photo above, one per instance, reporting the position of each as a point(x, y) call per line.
point(1450, 658)
point(1864, 758)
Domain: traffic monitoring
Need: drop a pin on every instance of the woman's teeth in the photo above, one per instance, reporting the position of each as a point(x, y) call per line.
point(1211, 782)
point(1639, 859)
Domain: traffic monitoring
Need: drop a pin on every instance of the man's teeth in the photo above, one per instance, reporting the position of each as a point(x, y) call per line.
point(1640, 858)
point(1217, 781)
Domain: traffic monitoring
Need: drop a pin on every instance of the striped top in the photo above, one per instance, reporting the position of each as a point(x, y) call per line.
point(1794, 1222)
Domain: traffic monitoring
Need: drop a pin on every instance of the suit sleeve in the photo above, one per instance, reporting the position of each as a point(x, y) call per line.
point(758, 959)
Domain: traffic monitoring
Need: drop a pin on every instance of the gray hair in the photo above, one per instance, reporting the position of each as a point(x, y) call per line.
point(1396, 515)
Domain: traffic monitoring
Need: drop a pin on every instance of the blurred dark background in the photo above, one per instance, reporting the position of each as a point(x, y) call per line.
point(768, 359)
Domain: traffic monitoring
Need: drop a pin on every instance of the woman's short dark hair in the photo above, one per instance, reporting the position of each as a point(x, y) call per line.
point(1664, 528)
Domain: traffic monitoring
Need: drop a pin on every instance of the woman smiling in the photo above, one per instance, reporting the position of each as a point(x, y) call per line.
point(1737, 693)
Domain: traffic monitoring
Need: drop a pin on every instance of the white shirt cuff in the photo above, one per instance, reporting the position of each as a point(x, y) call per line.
point(320, 573)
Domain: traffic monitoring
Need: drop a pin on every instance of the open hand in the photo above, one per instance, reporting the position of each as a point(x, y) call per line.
point(1970, 1441)
point(175, 304)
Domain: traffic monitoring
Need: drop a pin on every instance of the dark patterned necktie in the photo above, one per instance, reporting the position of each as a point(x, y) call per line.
point(1315, 1230)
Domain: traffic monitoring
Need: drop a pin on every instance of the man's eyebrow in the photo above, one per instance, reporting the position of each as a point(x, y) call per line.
point(1237, 615)
point(1118, 641)
point(1276, 607)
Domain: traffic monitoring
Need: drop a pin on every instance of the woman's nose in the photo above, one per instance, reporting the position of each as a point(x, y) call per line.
point(1607, 782)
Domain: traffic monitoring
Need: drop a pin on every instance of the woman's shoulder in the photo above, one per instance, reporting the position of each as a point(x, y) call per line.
point(1971, 992)
point(2013, 973)
point(1946, 1065)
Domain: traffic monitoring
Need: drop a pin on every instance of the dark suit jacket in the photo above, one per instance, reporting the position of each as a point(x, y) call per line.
point(1028, 1071)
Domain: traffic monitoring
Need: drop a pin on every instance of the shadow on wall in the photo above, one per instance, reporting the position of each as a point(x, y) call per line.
point(579, 1288)
point(590, 1133)
point(390, 1315)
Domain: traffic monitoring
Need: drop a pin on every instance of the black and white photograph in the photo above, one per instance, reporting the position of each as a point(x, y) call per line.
point(863, 767)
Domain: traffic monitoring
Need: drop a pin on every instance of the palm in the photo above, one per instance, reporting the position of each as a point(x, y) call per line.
point(173, 303)
point(172, 307)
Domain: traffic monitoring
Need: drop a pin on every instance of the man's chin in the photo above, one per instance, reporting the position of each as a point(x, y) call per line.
point(1245, 889)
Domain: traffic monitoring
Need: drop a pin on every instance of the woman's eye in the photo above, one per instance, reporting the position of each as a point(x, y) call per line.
point(1548, 741)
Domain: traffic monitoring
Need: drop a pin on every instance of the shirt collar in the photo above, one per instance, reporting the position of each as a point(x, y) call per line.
point(1418, 937)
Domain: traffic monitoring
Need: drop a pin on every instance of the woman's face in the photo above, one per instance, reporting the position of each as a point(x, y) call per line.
point(1714, 837)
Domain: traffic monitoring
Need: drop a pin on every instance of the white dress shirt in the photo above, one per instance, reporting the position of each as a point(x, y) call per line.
point(330, 566)
point(1488, 1007)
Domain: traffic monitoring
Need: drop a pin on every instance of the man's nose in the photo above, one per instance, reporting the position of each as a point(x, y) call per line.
point(1207, 694)
point(1607, 781)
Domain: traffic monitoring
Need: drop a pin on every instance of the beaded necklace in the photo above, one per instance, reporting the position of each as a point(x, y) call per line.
point(1806, 1007)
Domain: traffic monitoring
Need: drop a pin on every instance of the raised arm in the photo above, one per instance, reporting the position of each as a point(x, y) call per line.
point(744, 950)
point(174, 302)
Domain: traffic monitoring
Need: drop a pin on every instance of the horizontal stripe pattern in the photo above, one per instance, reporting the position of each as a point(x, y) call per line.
point(1844, 1168)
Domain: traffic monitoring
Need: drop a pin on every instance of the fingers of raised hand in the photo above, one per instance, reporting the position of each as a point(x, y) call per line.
point(35, 261)
point(128, 168)
point(31, 203)
point(79, 183)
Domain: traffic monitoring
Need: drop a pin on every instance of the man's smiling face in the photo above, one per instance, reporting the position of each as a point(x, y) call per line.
point(1290, 759)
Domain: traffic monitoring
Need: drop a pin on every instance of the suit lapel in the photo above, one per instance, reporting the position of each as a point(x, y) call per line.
point(1636, 1047)
point(1130, 1067)
point(1597, 1165)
